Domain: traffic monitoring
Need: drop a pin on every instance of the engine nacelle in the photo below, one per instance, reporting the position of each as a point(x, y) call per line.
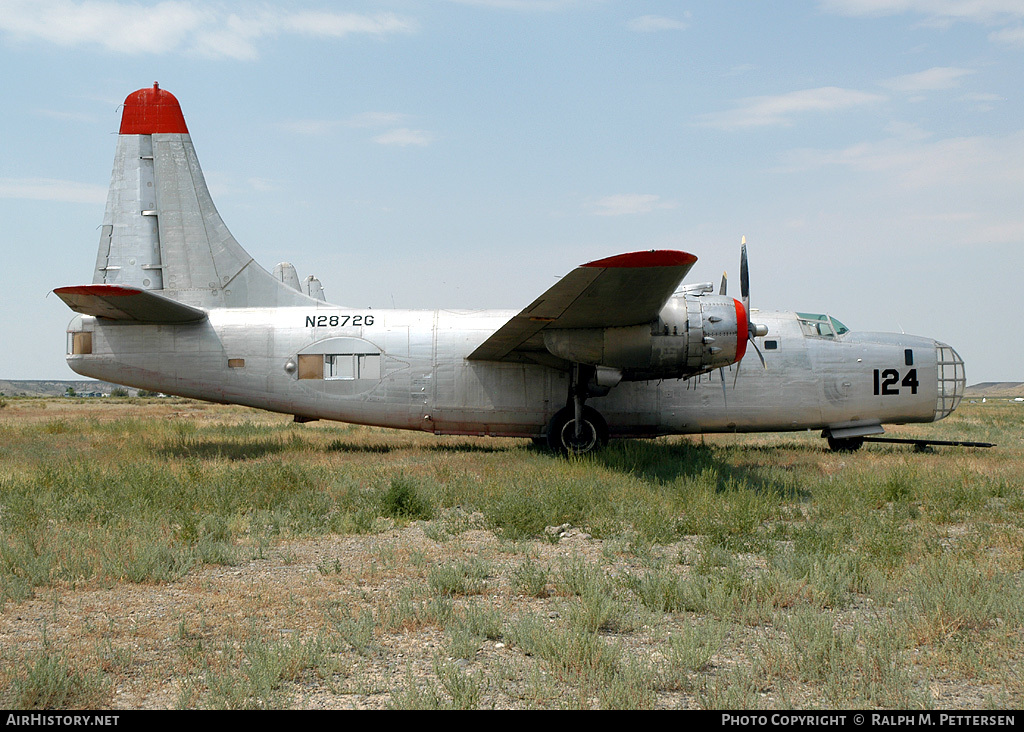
point(693, 334)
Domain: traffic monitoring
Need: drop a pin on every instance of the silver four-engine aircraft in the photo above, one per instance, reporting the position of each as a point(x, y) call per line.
point(614, 349)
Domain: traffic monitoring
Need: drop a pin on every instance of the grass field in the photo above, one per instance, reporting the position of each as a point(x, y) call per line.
point(167, 553)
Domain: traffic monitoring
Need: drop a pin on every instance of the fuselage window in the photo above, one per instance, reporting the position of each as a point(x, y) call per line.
point(81, 343)
point(908, 357)
point(311, 366)
point(352, 366)
point(771, 345)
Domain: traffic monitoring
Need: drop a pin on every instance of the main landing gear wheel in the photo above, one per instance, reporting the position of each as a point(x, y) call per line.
point(848, 444)
point(562, 437)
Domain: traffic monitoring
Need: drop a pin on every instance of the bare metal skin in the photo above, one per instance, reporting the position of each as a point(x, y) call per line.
point(615, 348)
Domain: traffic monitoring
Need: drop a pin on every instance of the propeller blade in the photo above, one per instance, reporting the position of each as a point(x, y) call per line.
point(758, 350)
point(744, 277)
point(739, 364)
point(723, 288)
point(753, 329)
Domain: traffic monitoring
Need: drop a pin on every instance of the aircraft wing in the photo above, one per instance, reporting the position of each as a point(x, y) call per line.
point(627, 289)
point(130, 304)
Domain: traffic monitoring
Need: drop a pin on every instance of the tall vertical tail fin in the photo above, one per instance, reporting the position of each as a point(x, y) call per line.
point(161, 230)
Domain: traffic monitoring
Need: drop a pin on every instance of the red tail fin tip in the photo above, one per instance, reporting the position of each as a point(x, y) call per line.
point(152, 110)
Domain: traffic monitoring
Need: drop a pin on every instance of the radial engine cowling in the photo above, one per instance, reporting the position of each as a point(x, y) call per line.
point(693, 334)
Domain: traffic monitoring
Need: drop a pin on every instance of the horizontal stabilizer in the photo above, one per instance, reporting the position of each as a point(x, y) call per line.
point(129, 304)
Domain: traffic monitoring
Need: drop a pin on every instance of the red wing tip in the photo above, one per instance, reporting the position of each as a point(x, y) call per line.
point(100, 290)
point(651, 258)
point(152, 110)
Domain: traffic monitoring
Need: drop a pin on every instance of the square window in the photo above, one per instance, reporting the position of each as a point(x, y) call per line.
point(311, 366)
point(81, 343)
point(369, 365)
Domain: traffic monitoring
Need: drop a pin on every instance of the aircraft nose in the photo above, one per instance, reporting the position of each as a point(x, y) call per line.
point(951, 380)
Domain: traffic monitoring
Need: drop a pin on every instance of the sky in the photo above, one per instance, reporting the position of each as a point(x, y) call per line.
point(464, 154)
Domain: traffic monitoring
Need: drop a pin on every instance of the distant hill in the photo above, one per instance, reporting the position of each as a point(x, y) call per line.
point(57, 388)
point(1006, 389)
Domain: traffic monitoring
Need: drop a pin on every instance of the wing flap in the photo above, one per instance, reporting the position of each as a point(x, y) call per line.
point(627, 289)
point(128, 304)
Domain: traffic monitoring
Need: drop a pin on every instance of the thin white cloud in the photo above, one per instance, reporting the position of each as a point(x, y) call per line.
point(625, 204)
point(968, 163)
point(117, 26)
point(1012, 36)
point(524, 6)
point(403, 137)
point(178, 26)
point(339, 25)
point(907, 131)
point(365, 120)
point(937, 78)
point(65, 116)
point(396, 135)
point(977, 11)
point(50, 189)
point(983, 102)
point(780, 110)
point(310, 127)
point(375, 119)
point(265, 185)
point(655, 23)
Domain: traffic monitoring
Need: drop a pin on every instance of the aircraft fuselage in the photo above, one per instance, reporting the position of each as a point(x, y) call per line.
point(408, 369)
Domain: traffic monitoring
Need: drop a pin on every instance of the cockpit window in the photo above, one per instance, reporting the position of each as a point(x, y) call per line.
point(840, 328)
point(820, 326)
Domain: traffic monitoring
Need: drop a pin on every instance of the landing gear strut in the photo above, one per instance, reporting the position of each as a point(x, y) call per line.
point(577, 428)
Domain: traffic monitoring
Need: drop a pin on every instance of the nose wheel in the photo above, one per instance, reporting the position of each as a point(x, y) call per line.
point(847, 444)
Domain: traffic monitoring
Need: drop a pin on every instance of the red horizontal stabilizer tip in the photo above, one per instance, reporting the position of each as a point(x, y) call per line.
point(150, 111)
point(104, 290)
point(128, 304)
point(652, 258)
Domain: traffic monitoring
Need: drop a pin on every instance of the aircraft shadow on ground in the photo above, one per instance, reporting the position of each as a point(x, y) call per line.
point(358, 447)
point(651, 460)
point(665, 462)
point(362, 447)
point(229, 449)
